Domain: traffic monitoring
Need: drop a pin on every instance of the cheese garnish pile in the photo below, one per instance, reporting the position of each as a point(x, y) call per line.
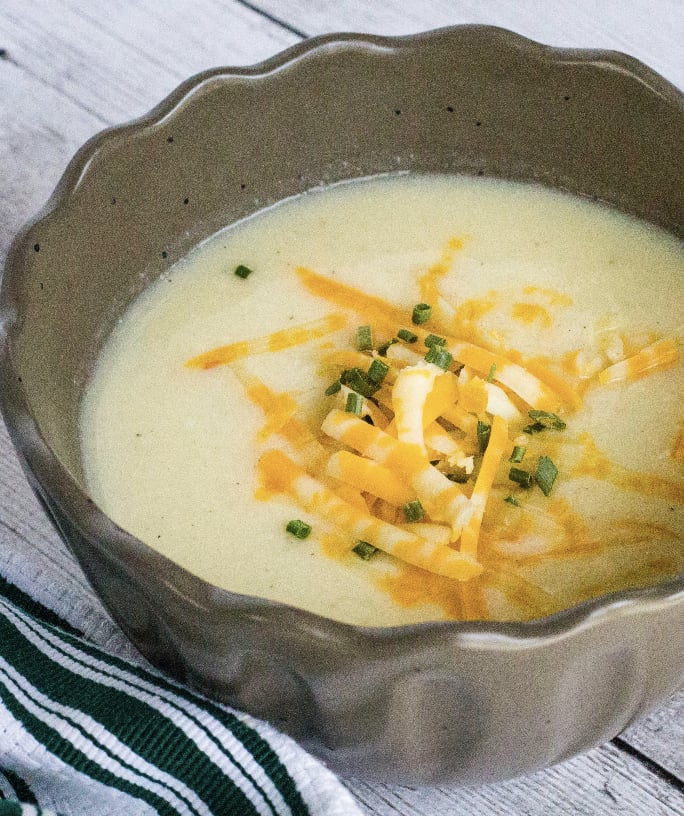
point(411, 462)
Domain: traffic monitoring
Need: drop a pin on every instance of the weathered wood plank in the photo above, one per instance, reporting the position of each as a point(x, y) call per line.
point(651, 32)
point(603, 782)
point(39, 132)
point(69, 69)
point(661, 736)
point(117, 60)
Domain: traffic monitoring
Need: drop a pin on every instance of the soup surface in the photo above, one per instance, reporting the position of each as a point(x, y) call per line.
point(512, 447)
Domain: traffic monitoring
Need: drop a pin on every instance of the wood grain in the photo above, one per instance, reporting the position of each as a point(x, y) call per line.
point(117, 60)
point(652, 32)
point(71, 68)
point(603, 782)
point(661, 736)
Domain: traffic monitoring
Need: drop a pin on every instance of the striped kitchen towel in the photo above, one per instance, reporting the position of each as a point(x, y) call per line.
point(84, 732)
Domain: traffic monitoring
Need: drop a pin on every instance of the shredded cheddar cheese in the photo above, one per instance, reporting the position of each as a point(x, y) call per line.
point(413, 386)
point(440, 439)
point(292, 336)
point(472, 395)
point(441, 398)
point(532, 313)
point(443, 499)
point(281, 475)
point(519, 380)
point(369, 476)
point(657, 357)
point(497, 446)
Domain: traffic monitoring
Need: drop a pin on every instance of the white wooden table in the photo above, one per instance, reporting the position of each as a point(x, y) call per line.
point(68, 68)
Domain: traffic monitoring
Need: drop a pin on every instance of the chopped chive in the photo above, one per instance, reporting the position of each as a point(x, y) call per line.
point(364, 550)
point(413, 511)
point(354, 403)
point(536, 428)
point(492, 372)
point(518, 453)
point(364, 338)
point(422, 312)
point(378, 371)
point(548, 420)
point(434, 340)
point(459, 476)
point(298, 528)
point(521, 477)
point(333, 388)
point(512, 500)
point(382, 350)
point(440, 357)
point(359, 381)
point(484, 431)
point(407, 336)
point(243, 271)
point(546, 474)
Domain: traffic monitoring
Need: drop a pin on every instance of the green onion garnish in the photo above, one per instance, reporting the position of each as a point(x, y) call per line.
point(434, 340)
point(548, 420)
point(521, 477)
point(492, 372)
point(440, 357)
point(354, 403)
point(333, 389)
point(364, 338)
point(512, 500)
point(536, 428)
point(421, 313)
point(364, 550)
point(459, 476)
point(243, 271)
point(413, 511)
point(382, 350)
point(484, 431)
point(298, 528)
point(407, 336)
point(359, 381)
point(518, 453)
point(378, 371)
point(546, 474)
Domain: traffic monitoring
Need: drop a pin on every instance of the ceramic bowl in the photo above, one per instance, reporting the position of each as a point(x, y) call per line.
point(465, 702)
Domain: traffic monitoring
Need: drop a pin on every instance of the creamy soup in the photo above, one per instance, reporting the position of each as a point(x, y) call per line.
point(403, 399)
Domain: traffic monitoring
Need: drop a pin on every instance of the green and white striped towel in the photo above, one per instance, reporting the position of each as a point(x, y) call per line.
point(84, 732)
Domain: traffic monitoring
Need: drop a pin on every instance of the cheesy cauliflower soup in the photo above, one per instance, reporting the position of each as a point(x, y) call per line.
point(402, 399)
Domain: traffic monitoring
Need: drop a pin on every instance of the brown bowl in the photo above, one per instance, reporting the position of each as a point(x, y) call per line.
point(470, 702)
